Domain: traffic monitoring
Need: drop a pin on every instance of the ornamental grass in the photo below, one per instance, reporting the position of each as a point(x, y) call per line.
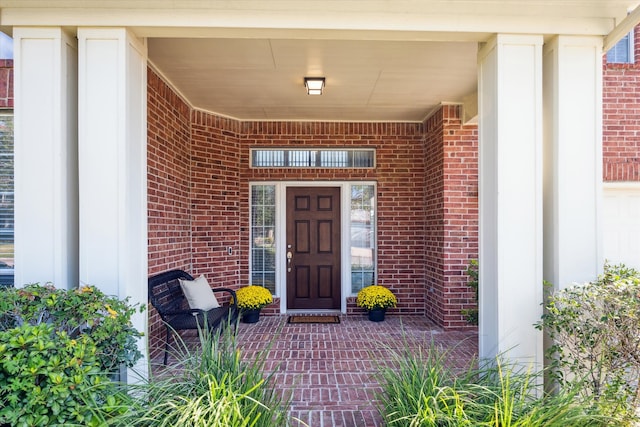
point(253, 297)
point(211, 385)
point(420, 390)
point(376, 297)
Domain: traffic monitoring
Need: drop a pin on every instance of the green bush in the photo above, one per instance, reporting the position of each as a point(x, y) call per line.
point(595, 331)
point(471, 314)
point(48, 378)
point(58, 351)
point(87, 310)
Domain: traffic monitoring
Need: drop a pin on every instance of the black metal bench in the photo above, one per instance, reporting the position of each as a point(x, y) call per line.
point(168, 299)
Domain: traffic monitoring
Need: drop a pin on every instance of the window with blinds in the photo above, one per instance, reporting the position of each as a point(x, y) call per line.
point(312, 158)
point(622, 52)
point(6, 195)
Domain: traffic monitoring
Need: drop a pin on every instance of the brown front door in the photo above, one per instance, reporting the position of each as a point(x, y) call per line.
point(313, 248)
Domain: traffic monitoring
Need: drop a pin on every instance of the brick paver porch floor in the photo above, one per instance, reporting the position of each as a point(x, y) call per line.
point(329, 368)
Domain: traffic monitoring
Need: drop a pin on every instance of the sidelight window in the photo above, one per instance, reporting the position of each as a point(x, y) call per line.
point(363, 236)
point(263, 241)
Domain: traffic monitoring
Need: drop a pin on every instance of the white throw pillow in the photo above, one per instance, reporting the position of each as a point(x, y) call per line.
point(199, 294)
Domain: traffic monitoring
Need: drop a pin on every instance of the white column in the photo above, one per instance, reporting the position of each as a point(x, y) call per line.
point(46, 164)
point(113, 165)
point(510, 198)
point(573, 159)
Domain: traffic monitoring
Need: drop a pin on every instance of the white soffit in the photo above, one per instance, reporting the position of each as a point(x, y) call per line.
point(383, 60)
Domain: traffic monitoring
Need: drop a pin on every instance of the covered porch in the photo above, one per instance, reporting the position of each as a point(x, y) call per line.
point(141, 142)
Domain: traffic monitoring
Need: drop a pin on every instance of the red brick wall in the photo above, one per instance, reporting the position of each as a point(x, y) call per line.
point(460, 215)
point(6, 83)
point(215, 198)
point(168, 169)
point(400, 166)
point(451, 215)
point(621, 119)
point(434, 216)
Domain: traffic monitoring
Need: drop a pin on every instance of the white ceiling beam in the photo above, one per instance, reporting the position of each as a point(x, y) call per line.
point(156, 22)
point(622, 29)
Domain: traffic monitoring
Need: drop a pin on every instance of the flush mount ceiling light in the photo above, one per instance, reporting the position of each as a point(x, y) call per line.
point(314, 85)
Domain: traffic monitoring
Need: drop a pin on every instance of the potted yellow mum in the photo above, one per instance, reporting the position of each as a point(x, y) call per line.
point(251, 299)
point(376, 299)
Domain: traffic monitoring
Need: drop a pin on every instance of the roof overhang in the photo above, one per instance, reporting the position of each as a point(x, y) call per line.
point(383, 60)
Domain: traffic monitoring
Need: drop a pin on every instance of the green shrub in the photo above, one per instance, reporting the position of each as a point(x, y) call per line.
point(595, 330)
point(420, 390)
point(471, 314)
point(88, 311)
point(48, 378)
point(58, 351)
point(211, 386)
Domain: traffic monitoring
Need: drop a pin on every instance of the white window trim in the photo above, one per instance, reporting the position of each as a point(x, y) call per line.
point(281, 235)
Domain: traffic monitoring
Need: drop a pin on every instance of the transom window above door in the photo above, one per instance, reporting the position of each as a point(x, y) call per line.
point(312, 158)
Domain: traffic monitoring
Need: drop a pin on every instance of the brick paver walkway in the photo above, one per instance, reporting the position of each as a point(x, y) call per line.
point(329, 368)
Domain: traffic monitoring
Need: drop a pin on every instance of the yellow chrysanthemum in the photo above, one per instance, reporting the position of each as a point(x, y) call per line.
point(376, 296)
point(253, 297)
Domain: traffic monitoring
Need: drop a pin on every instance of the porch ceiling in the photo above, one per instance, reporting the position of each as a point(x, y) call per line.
point(383, 60)
point(366, 80)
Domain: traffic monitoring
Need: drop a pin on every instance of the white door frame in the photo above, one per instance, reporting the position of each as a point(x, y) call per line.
point(281, 234)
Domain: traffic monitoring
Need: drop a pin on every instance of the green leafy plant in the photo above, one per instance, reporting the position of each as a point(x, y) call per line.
point(209, 386)
point(58, 352)
point(375, 297)
point(253, 297)
point(419, 389)
point(81, 311)
point(595, 332)
point(471, 314)
point(48, 378)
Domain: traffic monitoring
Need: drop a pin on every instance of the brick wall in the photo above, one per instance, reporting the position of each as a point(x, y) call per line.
point(400, 166)
point(460, 215)
point(621, 119)
point(215, 198)
point(168, 169)
point(6, 83)
point(451, 215)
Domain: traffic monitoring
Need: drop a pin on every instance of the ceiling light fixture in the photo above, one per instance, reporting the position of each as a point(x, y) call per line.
point(314, 85)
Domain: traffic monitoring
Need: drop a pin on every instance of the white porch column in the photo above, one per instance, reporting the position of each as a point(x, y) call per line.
point(46, 163)
point(573, 159)
point(113, 165)
point(510, 198)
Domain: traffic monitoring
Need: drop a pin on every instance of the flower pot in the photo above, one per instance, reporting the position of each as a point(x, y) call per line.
point(251, 316)
point(377, 314)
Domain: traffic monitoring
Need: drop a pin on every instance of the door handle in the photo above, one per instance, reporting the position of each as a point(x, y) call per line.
point(289, 257)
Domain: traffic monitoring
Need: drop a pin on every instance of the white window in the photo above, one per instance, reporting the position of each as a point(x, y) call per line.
point(363, 236)
point(263, 236)
point(622, 52)
point(312, 158)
